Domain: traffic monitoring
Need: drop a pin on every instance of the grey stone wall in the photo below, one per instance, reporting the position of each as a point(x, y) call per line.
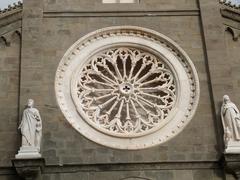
point(9, 93)
point(140, 175)
point(233, 60)
point(201, 146)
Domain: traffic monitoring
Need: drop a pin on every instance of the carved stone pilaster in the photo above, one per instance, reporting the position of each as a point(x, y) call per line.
point(29, 169)
point(231, 164)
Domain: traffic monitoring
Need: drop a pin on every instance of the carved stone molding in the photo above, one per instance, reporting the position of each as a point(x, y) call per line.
point(228, 13)
point(127, 87)
point(29, 169)
point(12, 7)
point(230, 3)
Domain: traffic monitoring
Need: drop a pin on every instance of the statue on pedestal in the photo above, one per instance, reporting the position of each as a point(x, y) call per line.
point(231, 125)
point(31, 130)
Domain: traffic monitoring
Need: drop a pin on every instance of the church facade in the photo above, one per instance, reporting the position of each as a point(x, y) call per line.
point(126, 89)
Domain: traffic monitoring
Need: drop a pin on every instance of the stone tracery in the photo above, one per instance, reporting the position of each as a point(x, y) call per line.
point(125, 90)
point(90, 54)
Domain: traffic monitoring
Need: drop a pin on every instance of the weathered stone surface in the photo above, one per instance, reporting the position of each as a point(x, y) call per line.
point(140, 175)
point(9, 94)
point(97, 5)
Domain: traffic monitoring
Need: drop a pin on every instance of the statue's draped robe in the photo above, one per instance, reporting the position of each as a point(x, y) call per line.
point(230, 119)
point(31, 127)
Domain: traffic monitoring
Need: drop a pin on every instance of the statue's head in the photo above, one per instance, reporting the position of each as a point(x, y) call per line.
point(30, 103)
point(226, 99)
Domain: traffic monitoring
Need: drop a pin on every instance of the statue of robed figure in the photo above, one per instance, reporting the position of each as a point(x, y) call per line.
point(231, 125)
point(31, 130)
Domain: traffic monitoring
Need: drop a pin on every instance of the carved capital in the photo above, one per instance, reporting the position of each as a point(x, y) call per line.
point(29, 169)
point(231, 164)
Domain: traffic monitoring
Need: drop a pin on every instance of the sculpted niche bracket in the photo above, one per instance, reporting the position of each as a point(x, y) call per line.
point(127, 87)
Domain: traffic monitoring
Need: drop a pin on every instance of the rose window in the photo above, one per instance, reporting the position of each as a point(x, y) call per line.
point(125, 91)
point(127, 87)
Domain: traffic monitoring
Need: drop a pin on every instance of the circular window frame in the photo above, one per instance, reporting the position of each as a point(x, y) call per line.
point(137, 46)
point(184, 71)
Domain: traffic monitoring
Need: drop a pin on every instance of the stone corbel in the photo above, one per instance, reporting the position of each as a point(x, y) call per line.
point(231, 164)
point(29, 169)
point(5, 40)
point(235, 32)
point(8, 37)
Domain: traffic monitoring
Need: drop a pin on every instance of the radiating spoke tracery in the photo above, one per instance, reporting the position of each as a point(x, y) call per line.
point(126, 91)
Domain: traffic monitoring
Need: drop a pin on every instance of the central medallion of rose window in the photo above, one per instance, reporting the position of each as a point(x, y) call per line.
point(124, 91)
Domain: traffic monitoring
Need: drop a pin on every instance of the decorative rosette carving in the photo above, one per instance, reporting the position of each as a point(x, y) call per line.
point(125, 90)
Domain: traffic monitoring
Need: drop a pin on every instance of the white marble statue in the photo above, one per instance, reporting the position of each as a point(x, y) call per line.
point(31, 130)
point(231, 125)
